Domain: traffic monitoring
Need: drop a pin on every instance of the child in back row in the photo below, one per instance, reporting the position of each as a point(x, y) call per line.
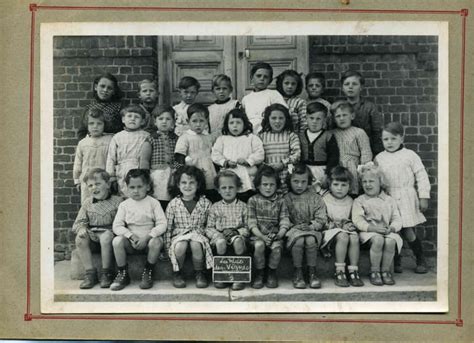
point(255, 103)
point(188, 88)
point(315, 84)
point(148, 96)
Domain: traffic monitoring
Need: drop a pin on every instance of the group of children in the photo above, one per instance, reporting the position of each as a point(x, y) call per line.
point(269, 173)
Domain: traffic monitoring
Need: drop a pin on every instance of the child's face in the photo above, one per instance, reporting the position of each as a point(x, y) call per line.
point(98, 187)
point(289, 85)
point(268, 186)
point(222, 91)
point(164, 122)
point(343, 118)
point(314, 88)
point(277, 121)
point(391, 142)
point(137, 188)
point(351, 87)
point(188, 186)
point(371, 184)
point(236, 126)
point(316, 121)
point(104, 89)
point(261, 79)
point(188, 95)
point(133, 121)
point(339, 189)
point(197, 122)
point(95, 126)
point(299, 183)
point(148, 94)
point(227, 189)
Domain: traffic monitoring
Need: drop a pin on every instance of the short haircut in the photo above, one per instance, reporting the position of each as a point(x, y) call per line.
point(134, 109)
point(91, 174)
point(145, 81)
point(342, 104)
point(315, 75)
point(293, 74)
point(143, 174)
point(95, 113)
point(351, 73)
point(192, 171)
point(194, 108)
point(117, 91)
point(314, 107)
point(276, 107)
point(159, 110)
point(371, 168)
point(395, 128)
point(227, 173)
point(339, 173)
point(261, 65)
point(237, 113)
point(299, 169)
point(267, 171)
point(189, 81)
point(217, 79)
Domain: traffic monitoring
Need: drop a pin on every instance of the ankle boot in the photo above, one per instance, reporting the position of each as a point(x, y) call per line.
point(106, 278)
point(121, 280)
point(201, 281)
point(314, 282)
point(417, 248)
point(298, 279)
point(178, 280)
point(272, 279)
point(90, 279)
point(258, 279)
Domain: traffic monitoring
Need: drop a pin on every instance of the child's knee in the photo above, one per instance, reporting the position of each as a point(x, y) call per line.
point(221, 246)
point(119, 242)
point(156, 243)
point(390, 244)
point(377, 242)
point(259, 247)
point(299, 242)
point(239, 246)
point(342, 237)
point(409, 234)
point(196, 247)
point(82, 242)
point(276, 252)
point(310, 242)
point(180, 248)
point(106, 238)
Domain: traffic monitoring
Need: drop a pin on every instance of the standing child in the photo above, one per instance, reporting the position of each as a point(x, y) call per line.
point(339, 228)
point(93, 228)
point(188, 88)
point(268, 222)
point(353, 143)
point(194, 146)
point(187, 214)
point(148, 95)
point(307, 217)
point(367, 116)
point(256, 102)
point(281, 144)
point(163, 143)
point(240, 150)
point(130, 148)
point(290, 84)
point(319, 150)
point(222, 89)
point(107, 95)
point(408, 183)
point(376, 216)
point(91, 152)
point(139, 224)
point(227, 221)
point(315, 84)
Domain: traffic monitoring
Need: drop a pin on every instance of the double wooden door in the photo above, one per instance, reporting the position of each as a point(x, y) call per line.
point(205, 56)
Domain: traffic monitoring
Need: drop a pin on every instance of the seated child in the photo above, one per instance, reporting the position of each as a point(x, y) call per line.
point(148, 95)
point(290, 84)
point(307, 218)
point(227, 220)
point(93, 227)
point(268, 222)
point(187, 215)
point(139, 225)
point(315, 84)
point(376, 216)
point(339, 228)
point(91, 152)
point(130, 148)
point(256, 102)
point(188, 90)
point(319, 150)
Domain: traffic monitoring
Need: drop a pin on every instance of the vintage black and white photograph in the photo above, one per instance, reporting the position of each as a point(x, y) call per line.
point(244, 167)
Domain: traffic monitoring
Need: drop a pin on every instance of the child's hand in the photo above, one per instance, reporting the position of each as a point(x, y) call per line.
point(280, 234)
point(142, 242)
point(243, 162)
point(423, 205)
point(243, 231)
point(82, 233)
point(189, 161)
point(231, 164)
point(134, 240)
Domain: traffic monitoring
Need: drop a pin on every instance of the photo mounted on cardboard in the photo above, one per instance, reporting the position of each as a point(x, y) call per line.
point(405, 66)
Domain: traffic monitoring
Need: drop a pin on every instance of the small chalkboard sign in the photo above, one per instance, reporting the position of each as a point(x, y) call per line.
point(232, 269)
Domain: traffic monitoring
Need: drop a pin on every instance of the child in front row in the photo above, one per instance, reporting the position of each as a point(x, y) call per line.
point(280, 143)
point(353, 143)
point(408, 183)
point(307, 217)
point(188, 88)
point(340, 229)
point(93, 227)
point(187, 215)
point(268, 222)
point(139, 225)
point(227, 220)
point(290, 84)
point(255, 103)
point(130, 148)
point(376, 216)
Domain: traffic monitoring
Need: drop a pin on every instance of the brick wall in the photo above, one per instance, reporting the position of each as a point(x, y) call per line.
point(401, 78)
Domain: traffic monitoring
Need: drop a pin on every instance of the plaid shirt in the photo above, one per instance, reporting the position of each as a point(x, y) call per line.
point(96, 215)
point(307, 209)
point(162, 150)
point(226, 216)
point(269, 215)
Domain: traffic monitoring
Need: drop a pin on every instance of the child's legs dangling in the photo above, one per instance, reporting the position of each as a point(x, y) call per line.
point(376, 248)
point(198, 255)
point(297, 252)
point(121, 244)
point(180, 252)
point(83, 247)
point(388, 253)
point(154, 249)
point(239, 246)
point(354, 250)
point(259, 254)
point(106, 250)
point(311, 249)
point(274, 258)
point(342, 241)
